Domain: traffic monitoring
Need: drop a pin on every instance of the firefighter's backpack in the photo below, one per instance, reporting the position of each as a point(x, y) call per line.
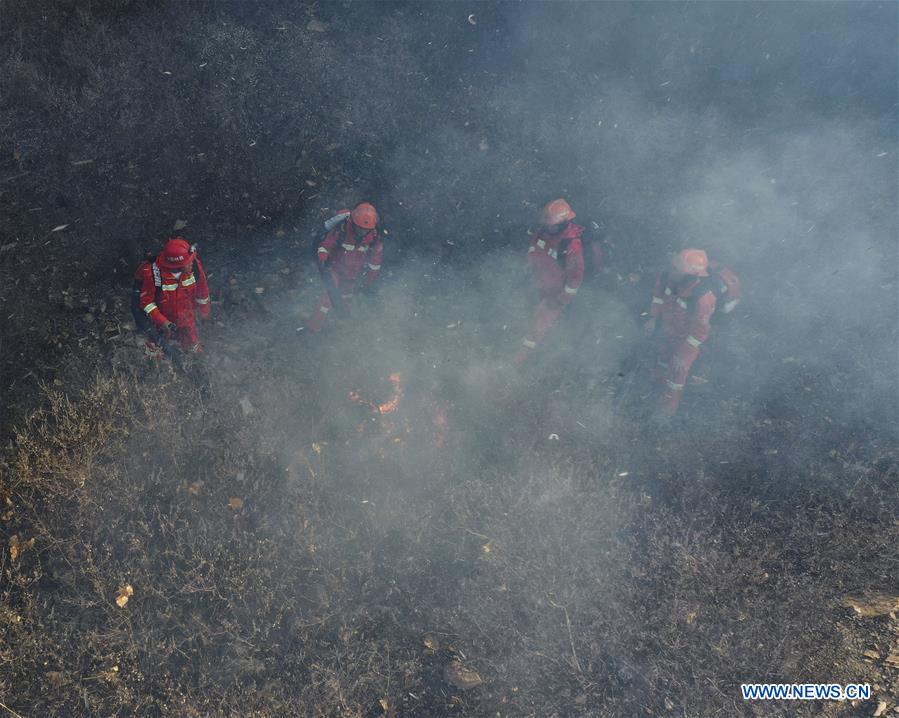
point(726, 286)
point(596, 253)
point(141, 320)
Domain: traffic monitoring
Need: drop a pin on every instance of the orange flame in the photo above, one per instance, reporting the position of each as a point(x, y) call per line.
point(394, 431)
point(391, 404)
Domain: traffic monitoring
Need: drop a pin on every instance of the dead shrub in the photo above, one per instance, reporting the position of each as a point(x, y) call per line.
point(58, 446)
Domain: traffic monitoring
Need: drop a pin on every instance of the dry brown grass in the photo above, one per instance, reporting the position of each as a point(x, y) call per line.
point(315, 593)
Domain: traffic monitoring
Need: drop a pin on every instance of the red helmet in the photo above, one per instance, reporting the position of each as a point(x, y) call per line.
point(691, 261)
point(365, 215)
point(556, 212)
point(177, 254)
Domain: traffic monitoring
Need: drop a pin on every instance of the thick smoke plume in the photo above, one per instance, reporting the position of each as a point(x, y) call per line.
point(327, 524)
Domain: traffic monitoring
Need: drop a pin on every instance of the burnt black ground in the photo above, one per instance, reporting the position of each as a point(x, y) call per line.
point(684, 560)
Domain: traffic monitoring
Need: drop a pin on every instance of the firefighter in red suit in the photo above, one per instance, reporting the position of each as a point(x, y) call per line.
point(685, 299)
point(173, 292)
point(350, 249)
point(556, 256)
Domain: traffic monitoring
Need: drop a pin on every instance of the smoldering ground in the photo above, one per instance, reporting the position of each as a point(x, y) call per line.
point(581, 561)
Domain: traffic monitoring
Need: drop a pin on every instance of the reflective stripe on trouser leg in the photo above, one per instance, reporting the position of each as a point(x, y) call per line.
point(681, 362)
point(544, 318)
point(670, 400)
point(524, 351)
point(320, 315)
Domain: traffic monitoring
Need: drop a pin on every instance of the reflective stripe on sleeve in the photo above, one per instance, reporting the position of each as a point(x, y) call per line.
point(150, 307)
point(189, 280)
point(530, 249)
point(169, 287)
point(681, 303)
point(693, 341)
point(322, 250)
point(348, 247)
point(657, 300)
point(570, 290)
point(675, 387)
point(323, 309)
point(203, 301)
point(541, 243)
point(374, 267)
point(529, 343)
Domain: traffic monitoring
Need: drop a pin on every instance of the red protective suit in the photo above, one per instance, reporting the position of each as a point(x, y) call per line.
point(346, 258)
point(685, 305)
point(558, 265)
point(176, 297)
